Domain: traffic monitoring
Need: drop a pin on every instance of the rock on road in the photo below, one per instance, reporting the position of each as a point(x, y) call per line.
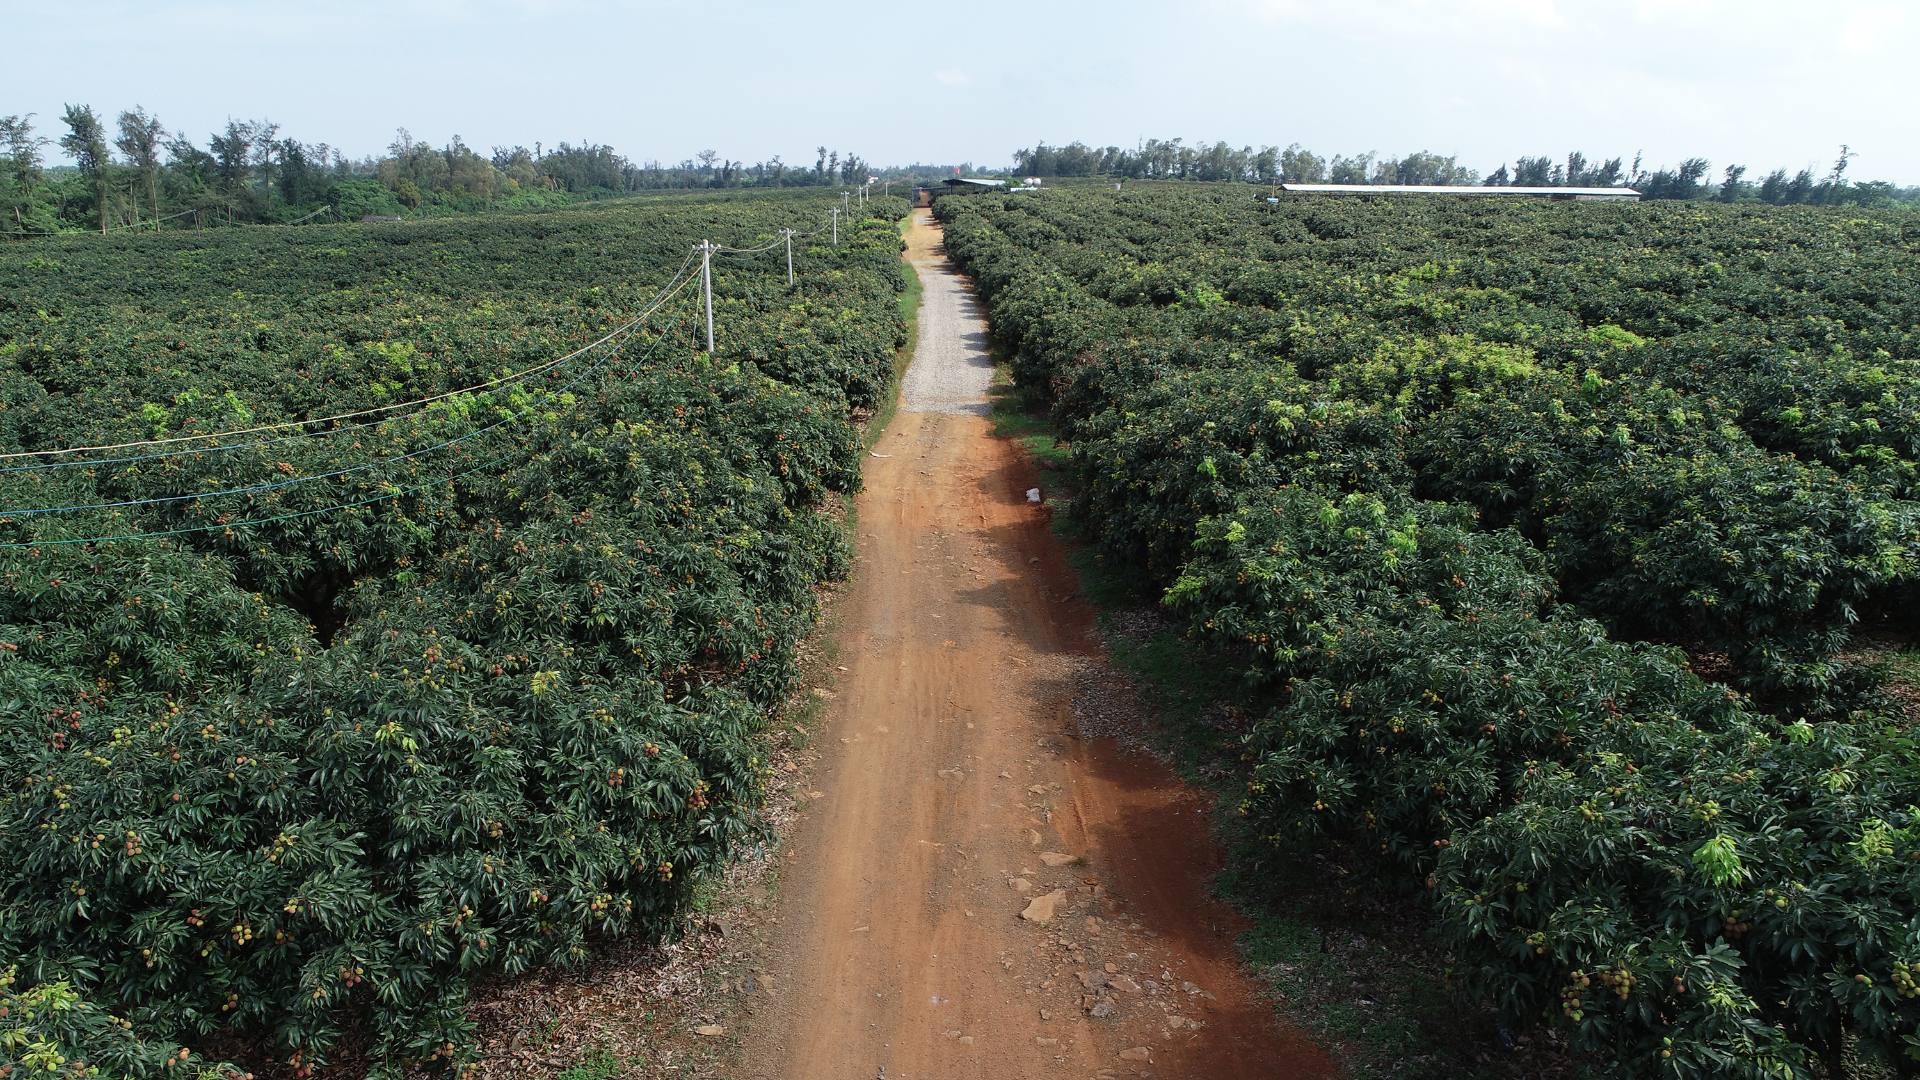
point(978, 891)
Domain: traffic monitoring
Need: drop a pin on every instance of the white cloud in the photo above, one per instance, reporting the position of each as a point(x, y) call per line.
point(1417, 17)
point(952, 77)
point(1673, 10)
point(1872, 28)
point(1544, 14)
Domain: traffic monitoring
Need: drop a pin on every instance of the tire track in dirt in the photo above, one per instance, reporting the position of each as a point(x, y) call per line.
point(955, 794)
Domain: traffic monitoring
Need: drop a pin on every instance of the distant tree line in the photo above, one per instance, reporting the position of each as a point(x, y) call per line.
point(1692, 179)
point(1175, 159)
point(137, 173)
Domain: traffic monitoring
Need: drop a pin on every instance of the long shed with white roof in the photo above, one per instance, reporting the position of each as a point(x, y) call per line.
point(1462, 189)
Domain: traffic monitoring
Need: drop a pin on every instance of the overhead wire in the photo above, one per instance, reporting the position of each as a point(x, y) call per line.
point(677, 282)
point(685, 267)
point(378, 410)
point(151, 221)
point(277, 485)
point(303, 514)
point(722, 250)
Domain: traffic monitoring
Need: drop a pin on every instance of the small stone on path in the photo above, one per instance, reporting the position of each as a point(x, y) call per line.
point(1041, 908)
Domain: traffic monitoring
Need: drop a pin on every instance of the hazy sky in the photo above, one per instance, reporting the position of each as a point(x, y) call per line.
point(1760, 82)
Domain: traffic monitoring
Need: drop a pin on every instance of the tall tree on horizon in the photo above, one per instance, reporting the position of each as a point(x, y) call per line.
point(231, 152)
point(1801, 188)
point(1773, 189)
point(86, 142)
point(1730, 187)
point(140, 138)
point(1299, 165)
point(21, 150)
point(1835, 186)
point(1533, 171)
point(265, 141)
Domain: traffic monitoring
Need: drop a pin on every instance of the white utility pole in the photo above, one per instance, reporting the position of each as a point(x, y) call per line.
point(789, 235)
point(836, 226)
point(846, 201)
point(706, 281)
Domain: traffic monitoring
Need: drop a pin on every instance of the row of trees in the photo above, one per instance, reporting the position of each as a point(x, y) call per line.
point(1174, 159)
point(599, 168)
point(134, 172)
point(1691, 179)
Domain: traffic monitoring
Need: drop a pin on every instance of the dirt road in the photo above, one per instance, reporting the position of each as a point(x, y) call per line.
point(977, 890)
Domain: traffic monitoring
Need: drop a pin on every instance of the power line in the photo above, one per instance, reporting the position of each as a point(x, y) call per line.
point(152, 221)
point(749, 251)
point(304, 435)
point(277, 485)
point(537, 369)
point(301, 515)
point(305, 217)
point(678, 281)
point(197, 451)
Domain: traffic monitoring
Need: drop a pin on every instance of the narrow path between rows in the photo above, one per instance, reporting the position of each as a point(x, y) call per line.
point(977, 889)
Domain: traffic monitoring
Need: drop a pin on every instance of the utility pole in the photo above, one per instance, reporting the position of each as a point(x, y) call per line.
point(836, 226)
point(706, 281)
point(789, 235)
point(846, 201)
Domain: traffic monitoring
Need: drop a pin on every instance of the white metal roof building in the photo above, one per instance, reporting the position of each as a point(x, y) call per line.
point(1462, 189)
point(974, 183)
